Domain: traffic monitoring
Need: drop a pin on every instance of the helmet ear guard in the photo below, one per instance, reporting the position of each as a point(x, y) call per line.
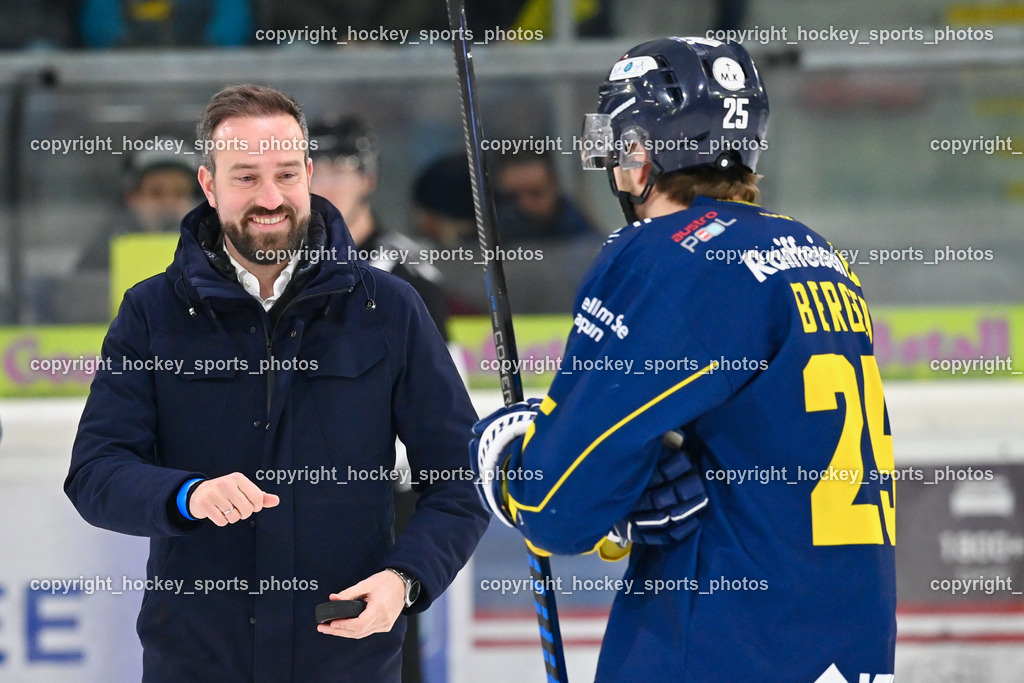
point(628, 202)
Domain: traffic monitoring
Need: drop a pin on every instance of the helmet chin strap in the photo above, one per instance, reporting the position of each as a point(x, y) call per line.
point(628, 201)
point(628, 207)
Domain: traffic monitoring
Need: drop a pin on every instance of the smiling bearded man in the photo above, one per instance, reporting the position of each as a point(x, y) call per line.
point(288, 365)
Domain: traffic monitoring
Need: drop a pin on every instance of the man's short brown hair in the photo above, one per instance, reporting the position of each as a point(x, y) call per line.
point(734, 183)
point(246, 101)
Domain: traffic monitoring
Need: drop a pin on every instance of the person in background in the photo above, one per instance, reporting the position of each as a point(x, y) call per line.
point(442, 200)
point(531, 203)
point(346, 154)
point(162, 188)
point(442, 210)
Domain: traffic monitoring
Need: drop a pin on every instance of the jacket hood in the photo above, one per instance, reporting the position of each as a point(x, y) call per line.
point(201, 269)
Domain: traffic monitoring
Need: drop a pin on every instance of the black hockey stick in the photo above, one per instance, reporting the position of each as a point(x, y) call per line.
point(501, 315)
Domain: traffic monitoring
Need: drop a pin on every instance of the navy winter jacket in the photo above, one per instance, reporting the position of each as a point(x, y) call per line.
point(368, 372)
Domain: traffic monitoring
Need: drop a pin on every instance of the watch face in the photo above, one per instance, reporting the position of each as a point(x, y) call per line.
point(412, 587)
point(412, 592)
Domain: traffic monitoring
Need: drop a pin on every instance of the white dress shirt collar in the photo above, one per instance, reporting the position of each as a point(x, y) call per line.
point(251, 283)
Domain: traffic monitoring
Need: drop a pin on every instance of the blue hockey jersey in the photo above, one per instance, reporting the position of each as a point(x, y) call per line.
point(751, 333)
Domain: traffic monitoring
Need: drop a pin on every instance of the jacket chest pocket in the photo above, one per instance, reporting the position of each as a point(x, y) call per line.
point(204, 391)
point(343, 399)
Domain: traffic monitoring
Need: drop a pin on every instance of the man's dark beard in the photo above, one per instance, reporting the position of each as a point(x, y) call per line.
point(273, 248)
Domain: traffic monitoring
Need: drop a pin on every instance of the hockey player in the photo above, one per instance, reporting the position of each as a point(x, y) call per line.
point(764, 548)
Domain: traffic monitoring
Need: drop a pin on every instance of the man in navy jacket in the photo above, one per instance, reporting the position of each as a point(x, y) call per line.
point(246, 424)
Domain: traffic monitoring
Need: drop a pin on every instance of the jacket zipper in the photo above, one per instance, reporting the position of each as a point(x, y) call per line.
point(268, 338)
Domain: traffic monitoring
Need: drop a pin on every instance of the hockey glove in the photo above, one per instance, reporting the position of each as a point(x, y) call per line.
point(495, 438)
point(667, 510)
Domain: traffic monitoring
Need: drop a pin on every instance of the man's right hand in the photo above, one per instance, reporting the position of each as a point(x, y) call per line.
point(228, 499)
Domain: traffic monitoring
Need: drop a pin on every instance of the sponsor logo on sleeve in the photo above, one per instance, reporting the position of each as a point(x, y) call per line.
point(701, 230)
point(603, 318)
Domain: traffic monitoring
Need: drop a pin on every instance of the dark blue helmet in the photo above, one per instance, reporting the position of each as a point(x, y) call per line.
point(679, 103)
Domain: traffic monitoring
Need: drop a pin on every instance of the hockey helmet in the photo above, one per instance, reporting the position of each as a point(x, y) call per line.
point(678, 103)
point(347, 139)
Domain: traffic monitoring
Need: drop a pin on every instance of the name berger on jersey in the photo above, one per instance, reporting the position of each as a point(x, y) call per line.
point(828, 306)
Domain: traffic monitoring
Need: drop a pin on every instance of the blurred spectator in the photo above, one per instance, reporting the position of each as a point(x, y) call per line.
point(443, 202)
point(166, 23)
point(543, 283)
point(37, 24)
point(531, 206)
point(161, 188)
point(442, 207)
point(345, 164)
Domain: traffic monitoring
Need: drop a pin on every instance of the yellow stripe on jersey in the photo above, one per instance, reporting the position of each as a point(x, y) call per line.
point(515, 506)
point(536, 551)
point(546, 406)
point(774, 215)
point(606, 549)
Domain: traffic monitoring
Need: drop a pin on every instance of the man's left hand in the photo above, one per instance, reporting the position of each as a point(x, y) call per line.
point(384, 594)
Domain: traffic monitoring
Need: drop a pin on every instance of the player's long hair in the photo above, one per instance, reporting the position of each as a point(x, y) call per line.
point(733, 183)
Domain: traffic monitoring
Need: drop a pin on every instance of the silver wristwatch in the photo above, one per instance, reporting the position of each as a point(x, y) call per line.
point(412, 585)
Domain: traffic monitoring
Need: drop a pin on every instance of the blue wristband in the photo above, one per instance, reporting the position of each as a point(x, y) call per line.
point(183, 498)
